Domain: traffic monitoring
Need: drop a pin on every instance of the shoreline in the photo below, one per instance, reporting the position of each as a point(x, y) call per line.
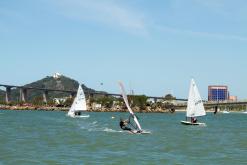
point(66, 109)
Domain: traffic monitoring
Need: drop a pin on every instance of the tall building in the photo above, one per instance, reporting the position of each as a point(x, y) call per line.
point(217, 93)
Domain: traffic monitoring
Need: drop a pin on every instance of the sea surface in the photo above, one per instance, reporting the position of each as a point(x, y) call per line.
point(41, 137)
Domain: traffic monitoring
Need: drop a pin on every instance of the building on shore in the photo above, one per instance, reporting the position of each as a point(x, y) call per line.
point(233, 98)
point(218, 93)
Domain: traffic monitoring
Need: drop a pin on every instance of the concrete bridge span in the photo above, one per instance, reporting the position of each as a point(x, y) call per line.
point(24, 92)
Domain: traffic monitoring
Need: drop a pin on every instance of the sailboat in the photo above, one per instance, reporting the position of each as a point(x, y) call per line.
point(136, 126)
point(225, 111)
point(195, 106)
point(245, 112)
point(79, 104)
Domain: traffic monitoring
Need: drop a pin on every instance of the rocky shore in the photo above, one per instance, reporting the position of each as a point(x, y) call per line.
point(45, 108)
point(148, 109)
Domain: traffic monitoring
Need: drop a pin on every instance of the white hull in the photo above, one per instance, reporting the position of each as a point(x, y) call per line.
point(79, 116)
point(190, 123)
point(245, 112)
point(142, 132)
point(82, 116)
point(226, 112)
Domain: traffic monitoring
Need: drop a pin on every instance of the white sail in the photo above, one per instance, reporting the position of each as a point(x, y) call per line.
point(128, 106)
point(79, 103)
point(195, 104)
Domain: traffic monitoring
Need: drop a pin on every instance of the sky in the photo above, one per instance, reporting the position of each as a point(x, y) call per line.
point(153, 47)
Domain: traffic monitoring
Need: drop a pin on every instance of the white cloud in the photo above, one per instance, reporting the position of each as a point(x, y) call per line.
point(106, 12)
point(201, 34)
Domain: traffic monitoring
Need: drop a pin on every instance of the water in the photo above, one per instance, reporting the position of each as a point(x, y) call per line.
point(40, 137)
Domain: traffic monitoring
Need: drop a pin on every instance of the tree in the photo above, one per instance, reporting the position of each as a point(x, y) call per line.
point(105, 101)
point(37, 100)
point(169, 97)
point(68, 102)
point(138, 100)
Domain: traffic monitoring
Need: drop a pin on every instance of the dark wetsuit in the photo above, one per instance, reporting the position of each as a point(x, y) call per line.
point(215, 109)
point(123, 126)
point(78, 113)
point(193, 120)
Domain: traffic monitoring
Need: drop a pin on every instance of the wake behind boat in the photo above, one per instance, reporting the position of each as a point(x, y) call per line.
point(134, 126)
point(79, 105)
point(195, 106)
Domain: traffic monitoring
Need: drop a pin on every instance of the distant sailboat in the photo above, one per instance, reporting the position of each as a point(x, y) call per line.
point(195, 106)
point(245, 112)
point(137, 128)
point(225, 111)
point(79, 104)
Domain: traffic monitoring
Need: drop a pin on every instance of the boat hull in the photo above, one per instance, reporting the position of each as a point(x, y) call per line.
point(190, 123)
point(137, 132)
point(82, 116)
point(79, 116)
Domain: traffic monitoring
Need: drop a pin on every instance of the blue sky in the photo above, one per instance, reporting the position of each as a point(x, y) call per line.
point(154, 47)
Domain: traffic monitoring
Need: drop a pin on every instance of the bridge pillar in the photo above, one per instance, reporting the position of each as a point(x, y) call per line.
point(45, 96)
point(23, 94)
point(155, 100)
point(8, 95)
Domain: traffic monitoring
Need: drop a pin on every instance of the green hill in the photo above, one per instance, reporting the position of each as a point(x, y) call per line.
point(60, 83)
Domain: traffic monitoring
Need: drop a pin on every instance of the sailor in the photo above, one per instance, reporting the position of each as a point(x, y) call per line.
point(78, 113)
point(193, 120)
point(123, 125)
point(215, 109)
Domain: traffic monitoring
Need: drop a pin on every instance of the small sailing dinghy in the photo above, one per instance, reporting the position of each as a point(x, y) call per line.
point(79, 105)
point(135, 125)
point(195, 106)
point(245, 112)
point(225, 111)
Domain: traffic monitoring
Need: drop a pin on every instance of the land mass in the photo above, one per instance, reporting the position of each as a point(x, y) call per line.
point(50, 82)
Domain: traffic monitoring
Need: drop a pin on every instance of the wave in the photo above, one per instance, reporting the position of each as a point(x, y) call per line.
point(111, 130)
point(95, 127)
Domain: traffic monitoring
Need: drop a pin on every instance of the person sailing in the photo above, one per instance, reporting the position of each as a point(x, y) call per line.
point(124, 125)
point(193, 120)
point(215, 109)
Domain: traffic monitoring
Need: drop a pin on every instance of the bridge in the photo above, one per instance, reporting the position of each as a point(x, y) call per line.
point(24, 89)
point(220, 104)
point(23, 96)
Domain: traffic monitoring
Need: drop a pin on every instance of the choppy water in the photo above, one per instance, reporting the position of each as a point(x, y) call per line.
point(39, 137)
